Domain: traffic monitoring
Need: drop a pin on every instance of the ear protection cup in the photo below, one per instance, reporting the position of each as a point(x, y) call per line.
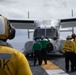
point(73, 36)
point(12, 32)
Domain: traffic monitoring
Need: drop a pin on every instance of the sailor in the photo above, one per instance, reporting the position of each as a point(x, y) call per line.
point(44, 41)
point(74, 40)
point(68, 50)
point(12, 61)
point(37, 51)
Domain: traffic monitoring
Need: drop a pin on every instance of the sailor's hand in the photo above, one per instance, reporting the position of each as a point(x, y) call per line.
point(46, 37)
point(64, 54)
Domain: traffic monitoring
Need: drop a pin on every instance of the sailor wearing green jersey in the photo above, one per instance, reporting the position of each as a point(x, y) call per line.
point(44, 48)
point(37, 51)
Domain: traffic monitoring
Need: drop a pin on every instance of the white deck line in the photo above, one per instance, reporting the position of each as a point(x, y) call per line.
point(56, 72)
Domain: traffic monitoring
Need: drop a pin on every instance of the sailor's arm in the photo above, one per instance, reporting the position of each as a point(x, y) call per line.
point(64, 48)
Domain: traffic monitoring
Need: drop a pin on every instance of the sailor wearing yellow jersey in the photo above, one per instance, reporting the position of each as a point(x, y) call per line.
point(74, 40)
point(12, 62)
point(68, 50)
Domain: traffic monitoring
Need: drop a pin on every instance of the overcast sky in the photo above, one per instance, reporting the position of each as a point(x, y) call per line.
point(38, 9)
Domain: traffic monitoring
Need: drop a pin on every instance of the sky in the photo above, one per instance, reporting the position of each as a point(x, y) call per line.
point(38, 9)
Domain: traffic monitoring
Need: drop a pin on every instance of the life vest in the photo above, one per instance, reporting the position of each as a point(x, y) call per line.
point(68, 46)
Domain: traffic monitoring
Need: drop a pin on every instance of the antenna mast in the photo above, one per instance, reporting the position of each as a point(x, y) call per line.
point(28, 14)
point(28, 29)
point(72, 16)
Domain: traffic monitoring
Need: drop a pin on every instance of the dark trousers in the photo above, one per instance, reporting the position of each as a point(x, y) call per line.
point(44, 55)
point(69, 57)
point(75, 61)
point(37, 57)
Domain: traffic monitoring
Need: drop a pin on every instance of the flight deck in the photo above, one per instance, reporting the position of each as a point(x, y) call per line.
point(54, 66)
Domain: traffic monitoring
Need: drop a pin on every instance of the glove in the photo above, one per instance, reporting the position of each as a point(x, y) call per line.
point(64, 54)
point(46, 37)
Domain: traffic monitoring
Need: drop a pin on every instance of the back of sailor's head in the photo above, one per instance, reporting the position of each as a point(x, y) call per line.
point(69, 37)
point(7, 31)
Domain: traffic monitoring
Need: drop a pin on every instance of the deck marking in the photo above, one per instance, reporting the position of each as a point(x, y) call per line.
point(52, 69)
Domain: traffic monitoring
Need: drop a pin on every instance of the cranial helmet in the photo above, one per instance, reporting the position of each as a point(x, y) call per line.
point(7, 31)
point(69, 37)
point(42, 37)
